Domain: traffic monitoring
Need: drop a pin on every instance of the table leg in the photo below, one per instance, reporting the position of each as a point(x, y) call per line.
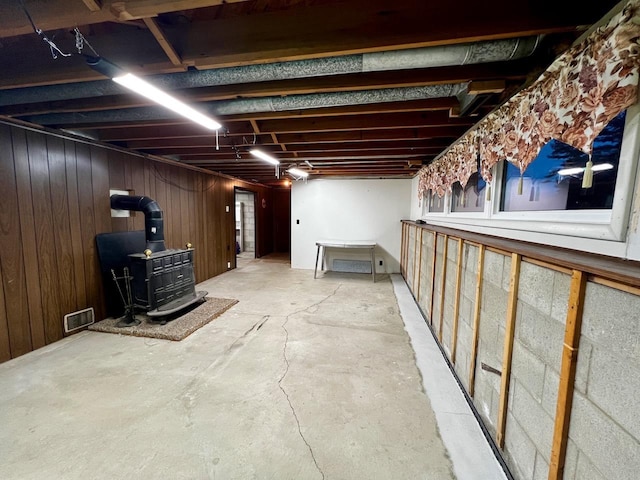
point(317, 255)
point(373, 264)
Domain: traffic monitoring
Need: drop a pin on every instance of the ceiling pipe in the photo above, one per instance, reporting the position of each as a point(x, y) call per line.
point(427, 57)
point(256, 105)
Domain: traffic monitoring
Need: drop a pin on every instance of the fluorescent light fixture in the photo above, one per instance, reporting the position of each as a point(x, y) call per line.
point(298, 173)
point(263, 156)
point(576, 170)
point(147, 90)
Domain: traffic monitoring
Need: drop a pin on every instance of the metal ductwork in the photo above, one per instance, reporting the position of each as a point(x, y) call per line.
point(427, 57)
point(258, 105)
point(153, 221)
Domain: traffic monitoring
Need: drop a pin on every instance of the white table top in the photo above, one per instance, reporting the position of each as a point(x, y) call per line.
point(346, 243)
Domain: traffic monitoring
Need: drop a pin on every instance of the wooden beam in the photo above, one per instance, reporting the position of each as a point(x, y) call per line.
point(374, 25)
point(135, 9)
point(484, 87)
point(345, 131)
point(162, 40)
point(567, 374)
point(443, 279)
point(93, 5)
point(476, 321)
point(403, 254)
point(456, 305)
point(507, 352)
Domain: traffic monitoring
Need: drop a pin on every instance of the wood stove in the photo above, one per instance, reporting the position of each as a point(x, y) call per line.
point(161, 281)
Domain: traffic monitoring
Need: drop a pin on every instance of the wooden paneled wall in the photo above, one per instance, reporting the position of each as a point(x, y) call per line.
point(54, 199)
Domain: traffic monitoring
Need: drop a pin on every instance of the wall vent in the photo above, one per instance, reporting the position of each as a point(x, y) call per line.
point(76, 320)
point(352, 266)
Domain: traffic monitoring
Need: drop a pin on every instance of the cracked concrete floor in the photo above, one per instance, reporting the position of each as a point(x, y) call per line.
point(301, 379)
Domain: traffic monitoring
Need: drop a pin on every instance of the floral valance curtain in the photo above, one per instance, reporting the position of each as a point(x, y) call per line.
point(572, 101)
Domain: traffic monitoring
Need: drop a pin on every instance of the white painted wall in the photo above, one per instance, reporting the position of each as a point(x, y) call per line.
point(349, 210)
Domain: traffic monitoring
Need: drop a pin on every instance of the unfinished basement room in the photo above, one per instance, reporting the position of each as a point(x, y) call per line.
point(319, 239)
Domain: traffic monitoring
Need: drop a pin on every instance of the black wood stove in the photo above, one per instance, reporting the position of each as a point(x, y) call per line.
point(157, 280)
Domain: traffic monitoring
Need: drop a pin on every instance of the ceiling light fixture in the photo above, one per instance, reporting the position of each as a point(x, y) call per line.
point(267, 158)
point(296, 172)
point(263, 156)
point(147, 90)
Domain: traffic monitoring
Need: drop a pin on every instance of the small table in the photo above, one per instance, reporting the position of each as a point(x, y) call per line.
point(324, 244)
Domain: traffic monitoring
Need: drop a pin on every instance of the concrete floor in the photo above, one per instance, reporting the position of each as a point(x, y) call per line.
point(301, 379)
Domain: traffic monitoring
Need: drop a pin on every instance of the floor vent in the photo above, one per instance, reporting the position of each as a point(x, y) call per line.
point(352, 266)
point(81, 318)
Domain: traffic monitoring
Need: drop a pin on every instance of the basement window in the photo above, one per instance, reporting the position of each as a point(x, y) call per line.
point(553, 207)
point(433, 203)
point(553, 181)
point(472, 198)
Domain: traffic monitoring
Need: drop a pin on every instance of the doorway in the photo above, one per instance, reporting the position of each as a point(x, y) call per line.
point(245, 223)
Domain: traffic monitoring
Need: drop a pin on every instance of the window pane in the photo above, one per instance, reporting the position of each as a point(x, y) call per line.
point(473, 198)
point(434, 203)
point(553, 181)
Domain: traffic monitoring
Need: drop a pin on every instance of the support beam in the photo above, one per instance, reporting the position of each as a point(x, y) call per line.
point(93, 5)
point(507, 352)
point(567, 374)
point(162, 40)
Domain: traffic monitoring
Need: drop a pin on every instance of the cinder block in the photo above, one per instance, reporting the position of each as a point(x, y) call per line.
point(506, 274)
point(560, 297)
point(533, 419)
point(541, 335)
point(611, 319)
point(493, 268)
point(520, 452)
point(614, 385)
point(466, 311)
point(541, 470)
point(550, 393)
point(570, 461)
point(470, 258)
point(494, 303)
point(609, 448)
point(586, 471)
point(452, 252)
point(584, 364)
point(528, 370)
point(536, 287)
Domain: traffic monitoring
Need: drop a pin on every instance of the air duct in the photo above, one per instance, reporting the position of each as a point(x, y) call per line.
point(153, 221)
point(426, 57)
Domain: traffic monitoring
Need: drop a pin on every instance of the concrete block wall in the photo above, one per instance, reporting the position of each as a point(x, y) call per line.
point(543, 295)
point(467, 305)
point(249, 220)
point(605, 419)
point(491, 336)
point(449, 295)
point(603, 442)
point(426, 264)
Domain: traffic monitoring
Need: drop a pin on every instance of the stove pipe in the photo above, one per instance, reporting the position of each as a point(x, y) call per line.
point(153, 222)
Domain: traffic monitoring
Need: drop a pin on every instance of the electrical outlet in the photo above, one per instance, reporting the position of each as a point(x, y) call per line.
point(380, 262)
point(228, 264)
point(227, 208)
